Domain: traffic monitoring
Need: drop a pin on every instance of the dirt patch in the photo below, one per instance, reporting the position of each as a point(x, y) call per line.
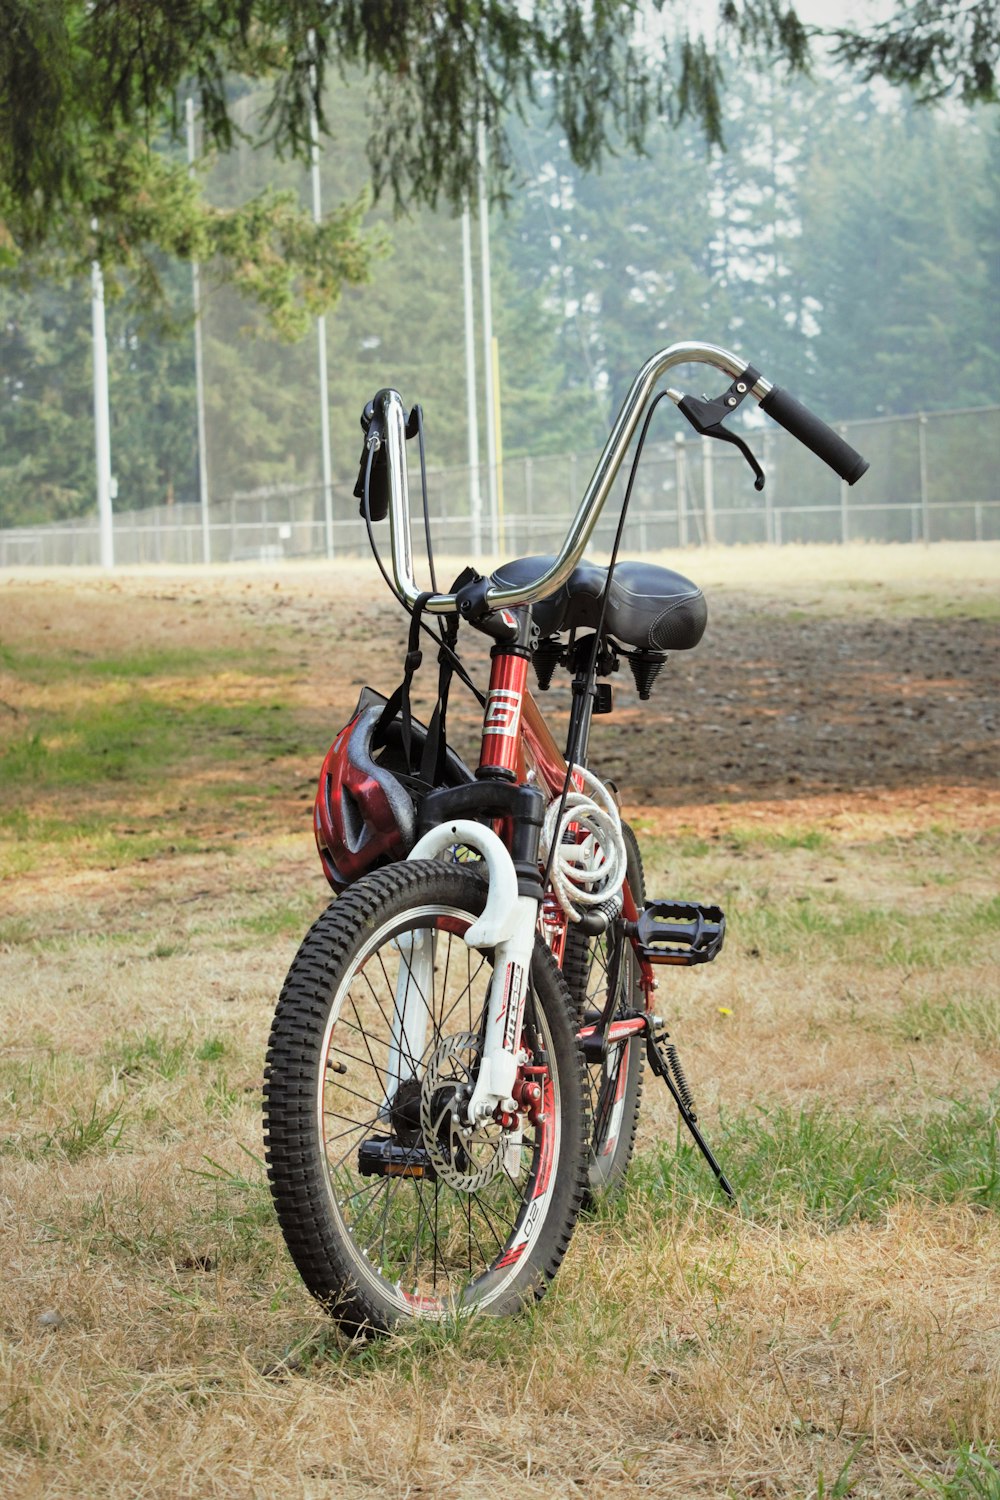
point(779, 703)
point(867, 813)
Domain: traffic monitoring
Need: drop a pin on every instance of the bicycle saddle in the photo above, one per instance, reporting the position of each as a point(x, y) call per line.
point(649, 607)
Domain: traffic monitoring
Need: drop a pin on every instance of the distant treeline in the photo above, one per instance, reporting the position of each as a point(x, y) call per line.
point(846, 241)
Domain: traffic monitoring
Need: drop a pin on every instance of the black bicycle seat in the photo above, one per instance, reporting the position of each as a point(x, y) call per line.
point(649, 607)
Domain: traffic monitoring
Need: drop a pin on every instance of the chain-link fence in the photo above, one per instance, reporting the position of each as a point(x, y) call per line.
point(932, 478)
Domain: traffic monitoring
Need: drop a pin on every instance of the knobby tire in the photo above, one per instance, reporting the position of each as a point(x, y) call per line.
point(346, 1078)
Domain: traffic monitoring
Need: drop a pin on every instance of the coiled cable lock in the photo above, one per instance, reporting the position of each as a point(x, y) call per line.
point(585, 853)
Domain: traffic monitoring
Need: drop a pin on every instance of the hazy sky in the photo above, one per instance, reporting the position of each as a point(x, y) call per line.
point(813, 12)
point(816, 12)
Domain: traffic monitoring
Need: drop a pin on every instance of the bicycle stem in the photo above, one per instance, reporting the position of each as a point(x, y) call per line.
point(594, 497)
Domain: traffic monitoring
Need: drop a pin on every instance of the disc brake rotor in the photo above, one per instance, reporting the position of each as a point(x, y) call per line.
point(466, 1158)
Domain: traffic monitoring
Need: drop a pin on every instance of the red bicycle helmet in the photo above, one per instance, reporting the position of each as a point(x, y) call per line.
point(364, 814)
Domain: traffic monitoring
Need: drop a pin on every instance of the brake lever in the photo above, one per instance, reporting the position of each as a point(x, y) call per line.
point(706, 417)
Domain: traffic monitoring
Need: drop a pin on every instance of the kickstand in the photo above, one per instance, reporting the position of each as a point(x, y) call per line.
point(660, 1060)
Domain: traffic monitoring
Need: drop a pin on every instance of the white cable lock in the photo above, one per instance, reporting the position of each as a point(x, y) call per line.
point(591, 868)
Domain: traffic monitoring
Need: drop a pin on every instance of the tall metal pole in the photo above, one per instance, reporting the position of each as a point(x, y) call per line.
point(708, 487)
point(102, 417)
point(845, 524)
point(475, 494)
point(501, 527)
point(324, 389)
point(680, 458)
point(199, 376)
point(491, 431)
point(925, 508)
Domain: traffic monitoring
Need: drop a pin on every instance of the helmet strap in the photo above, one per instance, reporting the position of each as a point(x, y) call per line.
point(399, 702)
point(436, 743)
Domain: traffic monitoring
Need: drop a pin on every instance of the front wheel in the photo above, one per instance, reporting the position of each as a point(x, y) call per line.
point(391, 1208)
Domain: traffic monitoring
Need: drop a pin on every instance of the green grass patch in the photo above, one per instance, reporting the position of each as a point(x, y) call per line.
point(975, 1015)
point(238, 1219)
point(156, 1054)
point(69, 665)
point(832, 925)
point(833, 1167)
point(90, 840)
point(25, 1084)
point(101, 1130)
point(15, 932)
point(659, 851)
point(938, 842)
point(80, 1135)
point(764, 838)
point(140, 736)
point(284, 918)
point(975, 1475)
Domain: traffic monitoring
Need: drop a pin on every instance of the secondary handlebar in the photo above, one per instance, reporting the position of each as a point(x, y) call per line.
point(388, 430)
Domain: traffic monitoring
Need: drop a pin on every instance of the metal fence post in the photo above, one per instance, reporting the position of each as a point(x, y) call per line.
point(249, 524)
point(925, 509)
point(680, 459)
point(844, 526)
point(708, 482)
point(844, 487)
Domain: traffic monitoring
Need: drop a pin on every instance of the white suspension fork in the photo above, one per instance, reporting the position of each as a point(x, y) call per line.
point(507, 925)
point(408, 1033)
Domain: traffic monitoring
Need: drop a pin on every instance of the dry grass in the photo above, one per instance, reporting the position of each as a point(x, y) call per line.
point(838, 1336)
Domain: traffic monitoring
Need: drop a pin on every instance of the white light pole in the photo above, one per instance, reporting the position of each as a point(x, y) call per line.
point(475, 495)
point(491, 431)
point(102, 415)
point(324, 395)
point(199, 377)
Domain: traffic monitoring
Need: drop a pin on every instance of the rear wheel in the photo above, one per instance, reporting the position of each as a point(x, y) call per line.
point(615, 1084)
point(390, 1208)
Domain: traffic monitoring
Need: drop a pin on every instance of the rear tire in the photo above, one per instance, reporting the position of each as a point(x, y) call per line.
point(614, 1085)
point(388, 1212)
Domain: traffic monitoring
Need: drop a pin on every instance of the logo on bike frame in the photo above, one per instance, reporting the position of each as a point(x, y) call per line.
point(503, 709)
point(512, 992)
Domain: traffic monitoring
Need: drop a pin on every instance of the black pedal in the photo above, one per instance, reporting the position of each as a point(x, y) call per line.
point(604, 700)
point(678, 932)
point(381, 1157)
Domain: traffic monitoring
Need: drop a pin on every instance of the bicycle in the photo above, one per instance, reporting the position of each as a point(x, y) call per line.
point(455, 1063)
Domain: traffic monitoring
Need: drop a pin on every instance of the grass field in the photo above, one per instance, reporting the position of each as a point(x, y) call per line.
point(837, 1335)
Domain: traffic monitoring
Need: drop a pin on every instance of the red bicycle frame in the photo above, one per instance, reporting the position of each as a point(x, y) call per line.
point(518, 744)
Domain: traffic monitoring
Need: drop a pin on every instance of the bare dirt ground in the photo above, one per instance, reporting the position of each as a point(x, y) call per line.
point(798, 690)
point(824, 765)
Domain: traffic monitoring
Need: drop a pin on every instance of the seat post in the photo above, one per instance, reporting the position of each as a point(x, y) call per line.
point(580, 715)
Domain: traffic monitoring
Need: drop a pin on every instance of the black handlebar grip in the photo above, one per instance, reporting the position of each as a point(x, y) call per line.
point(813, 432)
